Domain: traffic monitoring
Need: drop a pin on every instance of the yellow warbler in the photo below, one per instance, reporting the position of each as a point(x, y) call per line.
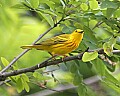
point(59, 45)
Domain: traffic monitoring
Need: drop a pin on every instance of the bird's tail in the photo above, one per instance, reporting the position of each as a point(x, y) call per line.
point(31, 46)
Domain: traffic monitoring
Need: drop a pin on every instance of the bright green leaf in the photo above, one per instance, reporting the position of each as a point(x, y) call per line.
point(5, 62)
point(88, 56)
point(25, 77)
point(93, 4)
point(84, 6)
point(19, 85)
point(34, 3)
point(26, 86)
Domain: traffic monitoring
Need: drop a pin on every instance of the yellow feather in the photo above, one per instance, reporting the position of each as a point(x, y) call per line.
point(59, 45)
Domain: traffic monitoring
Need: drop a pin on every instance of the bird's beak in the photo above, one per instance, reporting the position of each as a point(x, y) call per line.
point(81, 31)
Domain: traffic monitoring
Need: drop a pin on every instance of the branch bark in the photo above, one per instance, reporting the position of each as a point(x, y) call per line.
point(46, 63)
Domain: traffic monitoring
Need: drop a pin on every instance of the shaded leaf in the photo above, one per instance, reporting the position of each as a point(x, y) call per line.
point(48, 18)
point(99, 66)
point(82, 91)
point(108, 4)
point(78, 78)
point(73, 68)
point(110, 12)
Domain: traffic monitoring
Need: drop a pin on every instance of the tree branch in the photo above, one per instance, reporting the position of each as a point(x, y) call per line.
point(26, 50)
point(46, 63)
point(3, 82)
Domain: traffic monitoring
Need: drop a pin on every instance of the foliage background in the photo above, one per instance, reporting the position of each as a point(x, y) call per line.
point(22, 21)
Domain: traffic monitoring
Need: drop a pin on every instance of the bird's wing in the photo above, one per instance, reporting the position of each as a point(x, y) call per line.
point(55, 40)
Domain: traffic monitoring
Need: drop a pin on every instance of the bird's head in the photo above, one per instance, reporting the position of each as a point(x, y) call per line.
point(78, 31)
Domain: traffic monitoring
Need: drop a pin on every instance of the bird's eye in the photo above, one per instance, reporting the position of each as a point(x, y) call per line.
point(75, 30)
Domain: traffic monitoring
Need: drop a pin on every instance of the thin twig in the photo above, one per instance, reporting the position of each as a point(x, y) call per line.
point(98, 24)
point(46, 63)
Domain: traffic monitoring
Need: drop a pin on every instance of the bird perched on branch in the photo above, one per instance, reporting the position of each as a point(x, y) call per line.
point(59, 45)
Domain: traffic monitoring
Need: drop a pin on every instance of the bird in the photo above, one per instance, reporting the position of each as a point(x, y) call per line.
point(59, 45)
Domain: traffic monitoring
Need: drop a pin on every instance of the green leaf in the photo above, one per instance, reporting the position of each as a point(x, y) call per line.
point(117, 46)
point(90, 34)
point(82, 90)
point(38, 76)
point(84, 6)
point(88, 56)
point(8, 84)
point(19, 85)
point(47, 11)
point(83, 1)
point(110, 12)
point(108, 4)
point(113, 86)
point(108, 49)
point(20, 6)
point(117, 13)
point(78, 78)
point(110, 78)
point(5, 62)
point(15, 67)
point(0, 67)
point(34, 3)
point(108, 46)
point(27, 88)
point(93, 4)
point(99, 66)
point(25, 77)
point(73, 68)
point(48, 18)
